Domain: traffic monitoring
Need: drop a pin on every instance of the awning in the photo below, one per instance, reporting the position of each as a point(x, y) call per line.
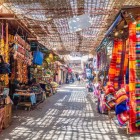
point(114, 24)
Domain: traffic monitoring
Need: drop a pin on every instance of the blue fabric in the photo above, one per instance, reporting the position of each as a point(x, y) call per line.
point(38, 58)
point(114, 24)
point(32, 97)
point(120, 108)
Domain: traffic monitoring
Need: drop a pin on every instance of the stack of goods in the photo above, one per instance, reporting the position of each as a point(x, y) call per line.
point(38, 73)
point(23, 59)
point(110, 96)
point(49, 89)
point(54, 84)
point(138, 76)
point(121, 107)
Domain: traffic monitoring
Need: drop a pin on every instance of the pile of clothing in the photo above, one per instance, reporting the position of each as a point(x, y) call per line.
point(110, 96)
point(121, 106)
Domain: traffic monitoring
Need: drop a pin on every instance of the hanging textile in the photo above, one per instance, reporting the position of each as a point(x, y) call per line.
point(2, 41)
point(119, 44)
point(138, 76)
point(115, 65)
point(112, 69)
point(132, 76)
point(126, 57)
point(124, 63)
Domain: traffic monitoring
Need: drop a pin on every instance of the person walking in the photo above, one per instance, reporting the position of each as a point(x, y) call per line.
point(79, 79)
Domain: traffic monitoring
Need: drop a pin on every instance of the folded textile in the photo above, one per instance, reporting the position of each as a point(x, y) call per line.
point(120, 108)
point(138, 115)
point(138, 123)
point(123, 118)
point(121, 99)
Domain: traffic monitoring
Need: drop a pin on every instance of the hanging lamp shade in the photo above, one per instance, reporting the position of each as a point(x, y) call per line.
point(55, 58)
point(48, 59)
point(51, 56)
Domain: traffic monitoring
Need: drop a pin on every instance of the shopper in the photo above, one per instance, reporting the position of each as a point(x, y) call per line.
point(79, 79)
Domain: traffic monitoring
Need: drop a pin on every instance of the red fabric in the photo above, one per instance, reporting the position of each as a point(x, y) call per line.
point(132, 76)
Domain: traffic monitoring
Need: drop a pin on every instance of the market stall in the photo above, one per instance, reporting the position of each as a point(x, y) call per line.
point(120, 68)
point(28, 96)
point(5, 101)
point(122, 89)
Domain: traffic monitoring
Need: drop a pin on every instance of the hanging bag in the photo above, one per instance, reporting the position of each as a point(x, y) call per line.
point(38, 57)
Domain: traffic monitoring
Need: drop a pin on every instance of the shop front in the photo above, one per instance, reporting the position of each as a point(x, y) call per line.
point(121, 93)
point(25, 76)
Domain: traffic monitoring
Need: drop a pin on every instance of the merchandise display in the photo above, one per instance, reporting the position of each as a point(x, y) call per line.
point(69, 65)
point(122, 92)
point(22, 59)
point(19, 66)
point(4, 52)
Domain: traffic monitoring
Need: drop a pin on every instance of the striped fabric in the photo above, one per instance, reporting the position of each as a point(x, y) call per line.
point(115, 65)
point(118, 63)
point(137, 75)
point(132, 77)
point(125, 65)
point(112, 68)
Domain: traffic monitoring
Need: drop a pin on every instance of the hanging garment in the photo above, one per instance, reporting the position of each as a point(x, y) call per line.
point(38, 58)
point(137, 71)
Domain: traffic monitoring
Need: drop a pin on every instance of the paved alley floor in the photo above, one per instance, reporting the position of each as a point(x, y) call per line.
point(68, 115)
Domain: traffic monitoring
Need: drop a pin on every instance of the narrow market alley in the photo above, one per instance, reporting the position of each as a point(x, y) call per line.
point(68, 115)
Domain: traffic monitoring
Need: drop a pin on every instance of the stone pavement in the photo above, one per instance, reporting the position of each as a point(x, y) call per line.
point(68, 115)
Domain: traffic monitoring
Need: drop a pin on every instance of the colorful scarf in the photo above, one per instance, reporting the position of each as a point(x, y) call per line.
point(115, 65)
point(132, 76)
point(137, 74)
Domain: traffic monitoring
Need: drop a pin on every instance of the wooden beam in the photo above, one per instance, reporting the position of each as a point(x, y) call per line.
point(7, 16)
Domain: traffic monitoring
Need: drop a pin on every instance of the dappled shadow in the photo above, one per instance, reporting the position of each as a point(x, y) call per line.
point(69, 115)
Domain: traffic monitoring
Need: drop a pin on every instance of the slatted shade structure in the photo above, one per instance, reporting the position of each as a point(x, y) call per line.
point(48, 20)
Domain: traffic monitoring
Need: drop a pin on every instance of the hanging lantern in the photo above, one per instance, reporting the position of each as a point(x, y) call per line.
point(55, 58)
point(51, 56)
point(48, 59)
